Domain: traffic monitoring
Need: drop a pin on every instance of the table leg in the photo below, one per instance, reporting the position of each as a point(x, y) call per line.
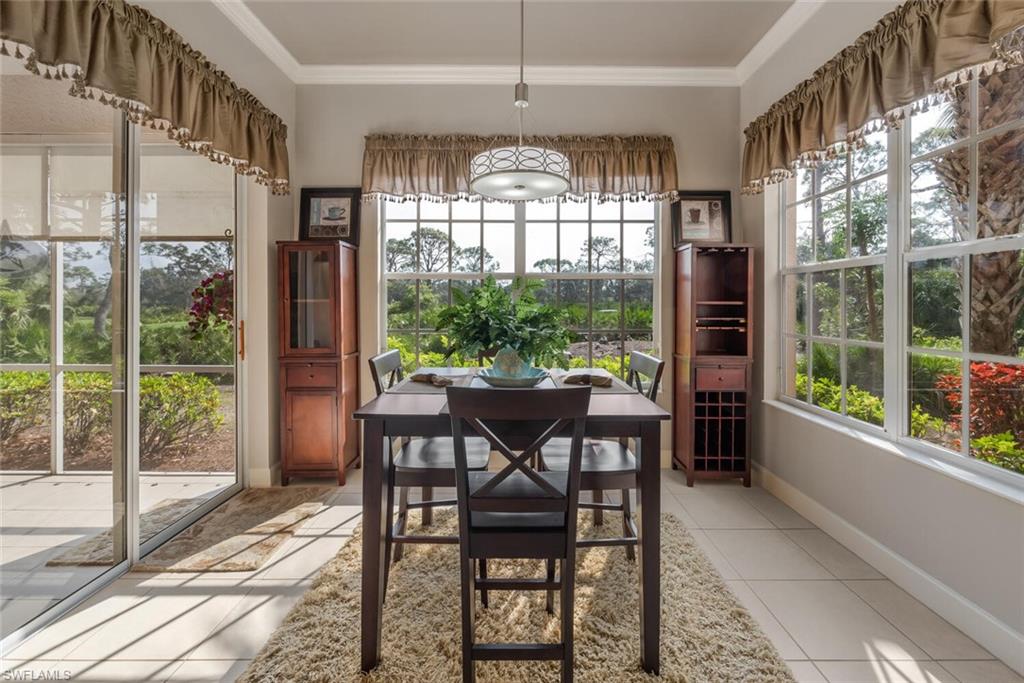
point(649, 547)
point(374, 519)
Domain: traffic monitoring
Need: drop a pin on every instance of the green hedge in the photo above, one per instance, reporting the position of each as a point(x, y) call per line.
point(176, 411)
point(24, 401)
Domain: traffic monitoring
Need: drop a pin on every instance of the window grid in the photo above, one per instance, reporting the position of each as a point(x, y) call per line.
point(812, 270)
point(559, 280)
point(899, 345)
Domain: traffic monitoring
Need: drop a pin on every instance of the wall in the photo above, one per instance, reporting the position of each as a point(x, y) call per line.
point(955, 545)
point(268, 218)
point(332, 121)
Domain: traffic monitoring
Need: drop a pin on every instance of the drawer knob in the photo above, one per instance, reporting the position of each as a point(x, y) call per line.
point(311, 375)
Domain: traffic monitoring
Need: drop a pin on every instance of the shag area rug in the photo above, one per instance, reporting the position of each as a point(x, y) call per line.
point(706, 635)
point(240, 535)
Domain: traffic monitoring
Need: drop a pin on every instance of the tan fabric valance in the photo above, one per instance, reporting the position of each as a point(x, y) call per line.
point(123, 56)
point(920, 49)
point(608, 167)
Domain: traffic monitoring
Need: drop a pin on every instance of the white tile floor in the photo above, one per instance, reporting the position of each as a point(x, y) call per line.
point(831, 616)
point(42, 516)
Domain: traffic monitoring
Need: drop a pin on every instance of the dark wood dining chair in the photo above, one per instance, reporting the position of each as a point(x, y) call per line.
point(418, 463)
point(610, 465)
point(517, 512)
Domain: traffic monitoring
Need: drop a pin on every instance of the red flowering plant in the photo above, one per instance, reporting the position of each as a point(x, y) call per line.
point(213, 303)
point(997, 398)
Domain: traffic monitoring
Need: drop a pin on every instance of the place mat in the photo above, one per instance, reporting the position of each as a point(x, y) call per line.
point(706, 633)
point(407, 386)
point(617, 387)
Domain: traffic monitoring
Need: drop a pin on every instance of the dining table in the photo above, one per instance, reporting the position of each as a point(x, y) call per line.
point(418, 409)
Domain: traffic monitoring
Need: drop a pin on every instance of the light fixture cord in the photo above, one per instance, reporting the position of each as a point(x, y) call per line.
point(522, 58)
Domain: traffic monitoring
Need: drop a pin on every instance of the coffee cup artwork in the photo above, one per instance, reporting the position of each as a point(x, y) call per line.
point(702, 217)
point(330, 214)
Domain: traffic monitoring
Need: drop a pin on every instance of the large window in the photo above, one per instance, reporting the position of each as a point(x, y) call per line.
point(903, 277)
point(597, 261)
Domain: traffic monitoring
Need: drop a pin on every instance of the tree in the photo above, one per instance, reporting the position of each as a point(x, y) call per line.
point(997, 278)
point(604, 252)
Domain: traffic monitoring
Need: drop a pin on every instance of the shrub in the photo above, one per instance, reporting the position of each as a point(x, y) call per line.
point(999, 449)
point(88, 402)
point(24, 401)
point(176, 411)
point(996, 404)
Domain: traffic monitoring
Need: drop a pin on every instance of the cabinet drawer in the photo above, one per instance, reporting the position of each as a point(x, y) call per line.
point(721, 379)
point(310, 375)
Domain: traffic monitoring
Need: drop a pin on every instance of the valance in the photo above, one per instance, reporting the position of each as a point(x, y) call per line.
point(607, 167)
point(123, 56)
point(923, 48)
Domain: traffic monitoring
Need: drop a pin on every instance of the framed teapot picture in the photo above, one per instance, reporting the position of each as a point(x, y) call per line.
point(330, 213)
point(702, 216)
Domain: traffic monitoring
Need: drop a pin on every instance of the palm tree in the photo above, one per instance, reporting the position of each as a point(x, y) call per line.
point(997, 278)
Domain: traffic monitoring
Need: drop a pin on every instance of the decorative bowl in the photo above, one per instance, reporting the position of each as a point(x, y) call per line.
point(533, 377)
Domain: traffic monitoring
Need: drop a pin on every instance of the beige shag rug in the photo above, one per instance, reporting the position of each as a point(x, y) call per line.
point(706, 635)
point(240, 535)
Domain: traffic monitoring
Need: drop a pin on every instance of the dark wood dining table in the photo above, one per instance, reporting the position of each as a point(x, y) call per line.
point(413, 409)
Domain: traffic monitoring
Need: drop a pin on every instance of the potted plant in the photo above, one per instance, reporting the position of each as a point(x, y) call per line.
point(491, 318)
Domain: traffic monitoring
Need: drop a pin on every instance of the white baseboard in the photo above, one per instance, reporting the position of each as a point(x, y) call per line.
point(999, 638)
point(264, 477)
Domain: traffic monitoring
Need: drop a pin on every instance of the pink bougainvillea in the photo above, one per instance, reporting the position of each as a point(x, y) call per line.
point(213, 303)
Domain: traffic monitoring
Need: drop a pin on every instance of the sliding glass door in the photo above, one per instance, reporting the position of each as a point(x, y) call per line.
point(186, 332)
point(117, 345)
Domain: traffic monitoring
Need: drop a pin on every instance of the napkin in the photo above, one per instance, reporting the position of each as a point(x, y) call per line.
point(432, 378)
point(592, 380)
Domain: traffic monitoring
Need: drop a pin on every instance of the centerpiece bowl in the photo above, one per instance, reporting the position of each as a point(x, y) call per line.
point(531, 378)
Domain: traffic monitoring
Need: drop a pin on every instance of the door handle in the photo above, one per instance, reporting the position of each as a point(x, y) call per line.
point(241, 339)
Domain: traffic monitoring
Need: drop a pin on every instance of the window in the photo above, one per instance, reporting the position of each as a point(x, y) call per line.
point(930, 215)
point(597, 261)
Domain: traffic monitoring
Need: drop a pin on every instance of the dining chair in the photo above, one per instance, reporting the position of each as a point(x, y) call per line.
point(422, 463)
point(517, 512)
point(609, 465)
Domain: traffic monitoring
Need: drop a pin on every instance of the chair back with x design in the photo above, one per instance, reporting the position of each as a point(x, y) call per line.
point(386, 370)
point(528, 419)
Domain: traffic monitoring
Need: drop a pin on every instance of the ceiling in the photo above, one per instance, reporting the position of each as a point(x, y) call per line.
point(670, 33)
point(568, 42)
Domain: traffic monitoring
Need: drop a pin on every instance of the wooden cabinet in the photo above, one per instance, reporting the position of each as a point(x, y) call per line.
point(713, 361)
point(319, 358)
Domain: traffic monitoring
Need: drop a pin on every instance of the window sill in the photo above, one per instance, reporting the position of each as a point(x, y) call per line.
point(980, 475)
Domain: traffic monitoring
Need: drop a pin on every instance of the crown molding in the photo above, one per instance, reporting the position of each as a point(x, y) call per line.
point(453, 74)
point(239, 14)
point(784, 28)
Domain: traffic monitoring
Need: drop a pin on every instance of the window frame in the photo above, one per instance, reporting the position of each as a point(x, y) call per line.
point(521, 269)
point(897, 261)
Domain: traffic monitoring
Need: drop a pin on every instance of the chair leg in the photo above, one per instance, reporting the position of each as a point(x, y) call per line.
point(627, 516)
point(551, 594)
point(403, 518)
point(567, 570)
point(428, 513)
point(598, 497)
point(483, 575)
point(468, 619)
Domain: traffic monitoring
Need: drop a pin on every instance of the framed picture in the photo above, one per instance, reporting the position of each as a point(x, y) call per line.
point(702, 217)
point(330, 213)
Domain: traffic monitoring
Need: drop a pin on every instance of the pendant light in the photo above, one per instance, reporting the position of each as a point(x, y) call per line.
point(522, 172)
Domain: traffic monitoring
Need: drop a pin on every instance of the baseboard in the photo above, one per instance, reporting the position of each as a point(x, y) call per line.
point(999, 638)
point(264, 477)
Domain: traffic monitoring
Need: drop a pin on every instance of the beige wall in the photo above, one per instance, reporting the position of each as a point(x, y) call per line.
point(332, 121)
point(950, 541)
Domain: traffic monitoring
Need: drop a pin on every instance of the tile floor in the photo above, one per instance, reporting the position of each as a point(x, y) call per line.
point(43, 515)
point(831, 616)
